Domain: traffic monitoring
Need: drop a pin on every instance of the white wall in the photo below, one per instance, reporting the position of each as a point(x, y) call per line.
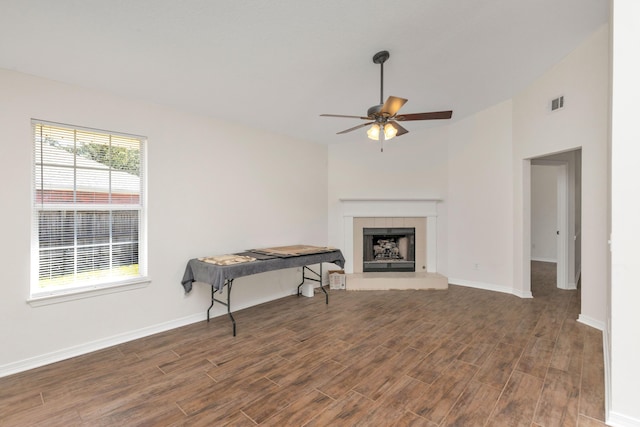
point(214, 188)
point(544, 213)
point(480, 230)
point(623, 315)
point(582, 77)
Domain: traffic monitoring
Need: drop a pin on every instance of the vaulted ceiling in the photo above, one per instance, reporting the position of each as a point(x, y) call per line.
point(278, 64)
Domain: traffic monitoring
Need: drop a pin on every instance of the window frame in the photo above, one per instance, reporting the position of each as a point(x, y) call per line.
point(83, 288)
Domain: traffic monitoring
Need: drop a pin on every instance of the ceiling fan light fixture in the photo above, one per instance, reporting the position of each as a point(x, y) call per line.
point(389, 131)
point(374, 132)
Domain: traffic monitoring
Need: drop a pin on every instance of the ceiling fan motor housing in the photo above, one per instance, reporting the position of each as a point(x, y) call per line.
point(374, 112)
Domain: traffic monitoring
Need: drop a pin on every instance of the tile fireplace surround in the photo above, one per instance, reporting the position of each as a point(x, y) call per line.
point(420, 214)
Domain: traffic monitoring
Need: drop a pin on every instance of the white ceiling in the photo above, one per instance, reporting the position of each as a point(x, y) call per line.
point(278, 64)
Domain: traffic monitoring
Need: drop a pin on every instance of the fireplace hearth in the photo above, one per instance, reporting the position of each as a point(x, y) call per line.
point(388, 249)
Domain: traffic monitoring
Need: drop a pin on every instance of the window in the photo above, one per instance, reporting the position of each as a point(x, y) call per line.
point(89, 219)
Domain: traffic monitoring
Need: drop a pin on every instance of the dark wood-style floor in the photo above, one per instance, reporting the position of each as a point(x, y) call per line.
point(460, 357)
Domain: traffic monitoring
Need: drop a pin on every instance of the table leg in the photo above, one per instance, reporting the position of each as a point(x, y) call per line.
point(212, 300)
point(229, 285)
point(229, 306)
point(326, 295)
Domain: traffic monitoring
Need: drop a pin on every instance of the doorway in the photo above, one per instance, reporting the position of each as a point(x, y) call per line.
point(549, 216)
point(555, 184)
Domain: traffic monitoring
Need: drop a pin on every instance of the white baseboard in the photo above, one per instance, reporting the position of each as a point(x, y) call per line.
point(620, 420)
point(544, 259)
point(88, 347)
point(67, 353)
point(589, 321)
point(489, 287)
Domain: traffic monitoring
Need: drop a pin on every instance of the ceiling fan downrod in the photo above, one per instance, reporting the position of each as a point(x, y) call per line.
point(380, 58)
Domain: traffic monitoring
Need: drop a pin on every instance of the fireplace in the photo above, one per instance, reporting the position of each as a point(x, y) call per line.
point(417, 215)
point(388, 249)
point(421, 214)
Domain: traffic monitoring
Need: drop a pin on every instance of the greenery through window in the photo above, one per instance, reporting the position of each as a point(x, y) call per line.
point(89, 216)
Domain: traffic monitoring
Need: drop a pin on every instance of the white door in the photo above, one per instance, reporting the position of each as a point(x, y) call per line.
point(562, 235)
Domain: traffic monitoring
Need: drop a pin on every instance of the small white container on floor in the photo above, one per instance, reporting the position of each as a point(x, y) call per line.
point(307, 290)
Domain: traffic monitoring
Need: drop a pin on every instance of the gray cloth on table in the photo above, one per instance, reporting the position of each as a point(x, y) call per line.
point(217, 275)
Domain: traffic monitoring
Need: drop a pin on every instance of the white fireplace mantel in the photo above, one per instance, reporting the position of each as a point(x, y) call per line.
point(377, 207)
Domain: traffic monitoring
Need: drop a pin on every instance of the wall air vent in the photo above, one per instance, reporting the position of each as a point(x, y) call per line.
point(557, 103)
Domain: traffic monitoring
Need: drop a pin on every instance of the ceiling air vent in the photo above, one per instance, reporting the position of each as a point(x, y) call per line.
point(557, 103)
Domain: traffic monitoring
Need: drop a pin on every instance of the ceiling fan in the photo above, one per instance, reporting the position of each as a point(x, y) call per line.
point(384, 117)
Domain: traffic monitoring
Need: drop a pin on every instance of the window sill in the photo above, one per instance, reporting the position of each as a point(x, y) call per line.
point(39, 300)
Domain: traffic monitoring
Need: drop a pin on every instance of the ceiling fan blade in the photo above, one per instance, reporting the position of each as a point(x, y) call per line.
point(435, 115)
point(400, 129)
point(392, 105)
point(355, 127)
point(346, 117)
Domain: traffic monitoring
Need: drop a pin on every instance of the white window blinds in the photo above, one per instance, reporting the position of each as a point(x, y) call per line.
point(88, 208)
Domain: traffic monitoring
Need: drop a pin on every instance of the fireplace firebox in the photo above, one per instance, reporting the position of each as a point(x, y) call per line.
point(388, 249)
